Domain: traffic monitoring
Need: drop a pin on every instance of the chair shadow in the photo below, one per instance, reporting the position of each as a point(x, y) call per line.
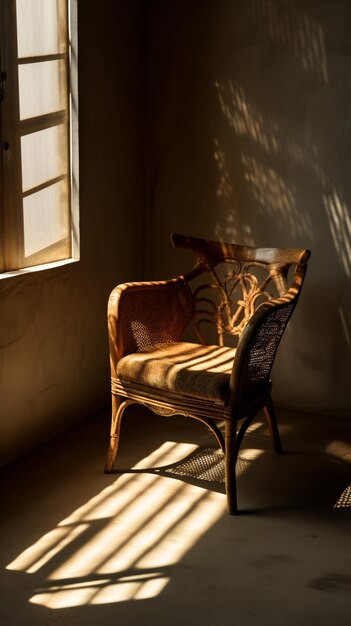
point(300, 483)
point(204, 468)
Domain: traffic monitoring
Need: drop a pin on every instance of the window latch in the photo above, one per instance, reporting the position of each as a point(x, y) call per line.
point(3, 79)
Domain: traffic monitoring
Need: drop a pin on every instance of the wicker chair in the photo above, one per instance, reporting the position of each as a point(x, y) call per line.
point(243, 293)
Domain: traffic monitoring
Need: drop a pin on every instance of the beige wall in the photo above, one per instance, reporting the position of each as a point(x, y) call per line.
point(54, 367)
point(248, 140)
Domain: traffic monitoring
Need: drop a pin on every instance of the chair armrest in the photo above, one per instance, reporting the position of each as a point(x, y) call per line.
point(146, 314)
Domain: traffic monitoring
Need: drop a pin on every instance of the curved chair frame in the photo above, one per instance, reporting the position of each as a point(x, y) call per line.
point(257, 319)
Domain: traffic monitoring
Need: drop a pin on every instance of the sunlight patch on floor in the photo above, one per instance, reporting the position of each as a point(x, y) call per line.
point(102, 591)
point(120, 545)
point(344, 502)
point(340, 450)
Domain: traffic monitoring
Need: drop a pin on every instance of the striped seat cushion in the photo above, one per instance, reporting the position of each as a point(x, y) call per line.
point(184, 368)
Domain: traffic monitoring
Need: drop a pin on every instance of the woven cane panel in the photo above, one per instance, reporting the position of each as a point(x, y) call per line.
point(265, 344)
point(155, 316)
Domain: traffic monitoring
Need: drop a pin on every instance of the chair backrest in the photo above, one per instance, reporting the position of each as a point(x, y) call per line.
point(238, 281)
point(154, 312)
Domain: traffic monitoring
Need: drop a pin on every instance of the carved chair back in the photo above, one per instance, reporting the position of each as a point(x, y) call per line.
point(229, 282)
point(247, 298)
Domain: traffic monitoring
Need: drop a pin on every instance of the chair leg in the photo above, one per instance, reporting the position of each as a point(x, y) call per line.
point(273, 427)
point(230, 464)
point(118, 408)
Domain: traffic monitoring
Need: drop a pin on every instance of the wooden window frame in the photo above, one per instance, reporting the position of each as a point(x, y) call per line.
point(12, 249)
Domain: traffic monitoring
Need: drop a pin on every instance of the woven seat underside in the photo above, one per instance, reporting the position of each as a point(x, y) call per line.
point(185, 368)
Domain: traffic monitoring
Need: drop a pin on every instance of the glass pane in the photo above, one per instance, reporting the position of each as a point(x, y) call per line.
point(45, 218)
point(41, 27)
point(42, 88)
point(44, 156)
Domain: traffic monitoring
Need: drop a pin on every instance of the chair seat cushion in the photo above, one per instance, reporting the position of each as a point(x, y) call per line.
point(185, 368)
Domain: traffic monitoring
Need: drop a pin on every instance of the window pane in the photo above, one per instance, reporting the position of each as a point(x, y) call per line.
point(41, 27)
point(45, 218)
point(42, 88)
point(44, 156)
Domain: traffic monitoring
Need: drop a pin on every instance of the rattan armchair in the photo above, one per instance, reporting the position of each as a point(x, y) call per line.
point(244, 294)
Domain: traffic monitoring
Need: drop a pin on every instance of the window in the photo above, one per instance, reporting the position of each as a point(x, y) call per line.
point(38, 133)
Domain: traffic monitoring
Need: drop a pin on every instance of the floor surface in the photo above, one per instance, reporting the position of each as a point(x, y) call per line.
point(156, 545)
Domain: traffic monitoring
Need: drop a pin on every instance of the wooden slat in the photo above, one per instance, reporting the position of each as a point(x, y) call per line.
point(47, 183)
point(42, 58)
point(34, 124)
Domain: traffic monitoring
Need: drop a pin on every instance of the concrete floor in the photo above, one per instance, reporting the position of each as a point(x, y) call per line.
point(81, 547)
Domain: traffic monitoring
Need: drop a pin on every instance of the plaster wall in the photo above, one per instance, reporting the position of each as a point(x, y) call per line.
point(54, 364)
point(248, 139)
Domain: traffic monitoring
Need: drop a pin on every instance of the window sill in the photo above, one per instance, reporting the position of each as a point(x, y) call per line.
point(37, 268)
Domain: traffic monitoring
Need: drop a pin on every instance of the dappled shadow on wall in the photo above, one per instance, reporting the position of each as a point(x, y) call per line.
point(274, 194)
point(262, 149)
point(275, 189)
point(291, 28)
